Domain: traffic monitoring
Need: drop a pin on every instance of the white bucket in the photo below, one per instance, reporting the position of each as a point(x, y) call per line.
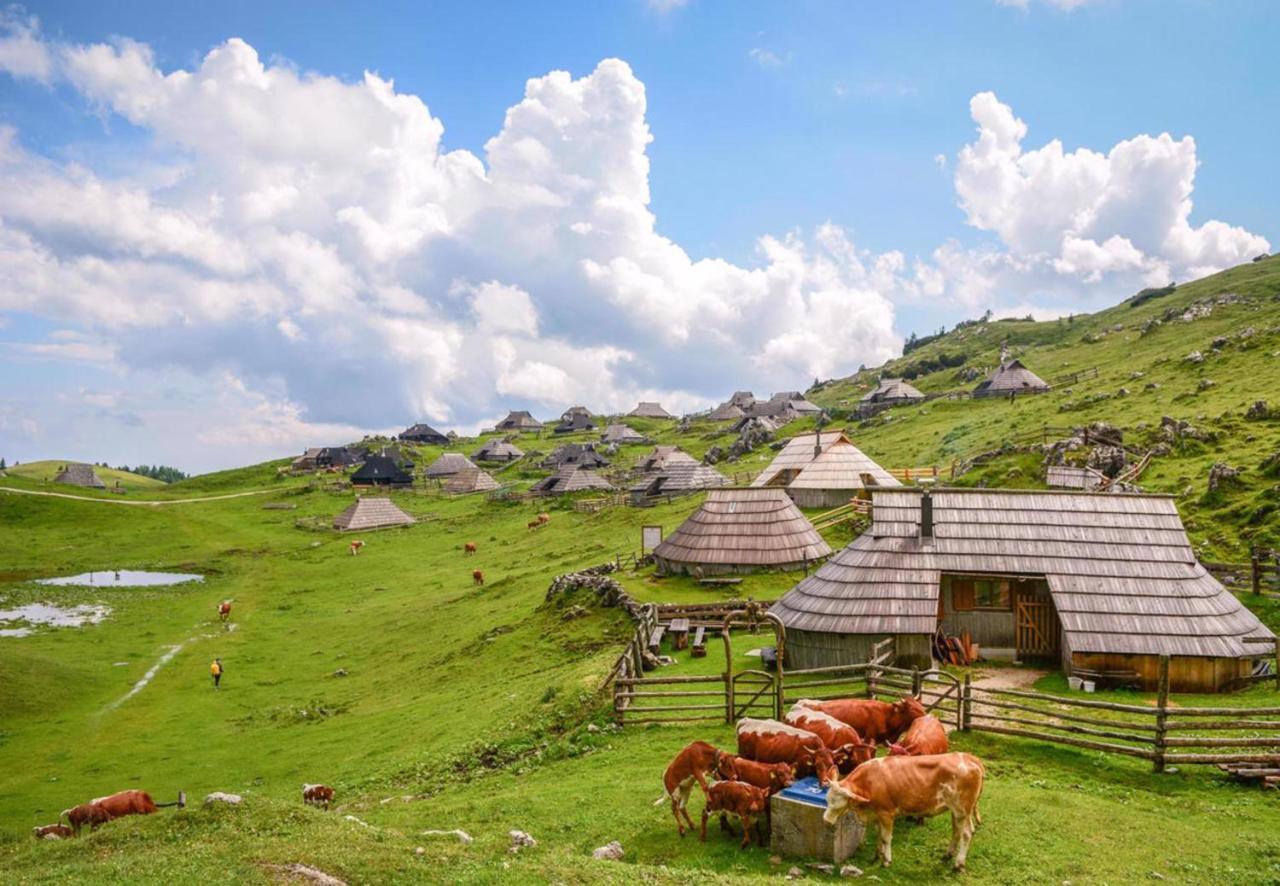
point(1089, 686)
point(1075, 683)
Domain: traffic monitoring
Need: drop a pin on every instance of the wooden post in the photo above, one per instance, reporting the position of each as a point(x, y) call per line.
point(1255, 568)
point(1162, 710)
point(1278, 663)
point(966, 704)
point(871, 674)
point(916, 682)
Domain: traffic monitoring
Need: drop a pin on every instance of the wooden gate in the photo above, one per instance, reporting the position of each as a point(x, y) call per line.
point(1036, 629)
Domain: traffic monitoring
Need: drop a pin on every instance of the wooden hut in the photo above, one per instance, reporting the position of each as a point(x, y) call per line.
point(448, 464)
point(338, 457)
point(840, 473)
point(380, 470)
point(576, 454)
point(571, 478)
point(519, 421)
point(659, 458)
point(649, 410)
point(498, 450)
point(469, 481)
point(621, 434)
point(371, 513)
point(575, 419)
point(79, 475)
point(680, 473)
point(1099, 583)
point(795, 403)
point(726, 412)
point(1071, 477)
point(892, 391)
point(741, 530)
point(424, 433)
point(1010, 377)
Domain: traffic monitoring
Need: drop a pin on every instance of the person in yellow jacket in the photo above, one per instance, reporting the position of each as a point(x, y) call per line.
point(215, 671)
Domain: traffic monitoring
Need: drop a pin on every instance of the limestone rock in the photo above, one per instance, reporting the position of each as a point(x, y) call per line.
point(458, 834)
point(1258, 410)
point(611, 851)
point(1195, 357)
point(1222, 474)
point(220, 797)
point(1205, 384)
point(521, 840)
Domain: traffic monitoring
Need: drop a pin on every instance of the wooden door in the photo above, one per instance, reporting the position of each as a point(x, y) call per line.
point(1036, 629)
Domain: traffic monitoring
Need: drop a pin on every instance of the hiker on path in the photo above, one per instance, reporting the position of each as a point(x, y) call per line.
point(215, 671)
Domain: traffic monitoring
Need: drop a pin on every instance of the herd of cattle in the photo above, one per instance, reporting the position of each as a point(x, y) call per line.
point(836, 741)
point(101, 810)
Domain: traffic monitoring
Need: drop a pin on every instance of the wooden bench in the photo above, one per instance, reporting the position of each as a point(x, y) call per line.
point(699, 649)
point(719, 581)
point(655, 639)
point(679, 633)
point(1118, 679)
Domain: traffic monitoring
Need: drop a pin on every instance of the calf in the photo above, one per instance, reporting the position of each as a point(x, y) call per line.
point(923, 737)
point(773, 777)
point(477, 576)
point(317, 795)
point(736, 798)
point(52, 832)
point(544, 519)
point(469, 548)
point(124, 803)
point(224, 610)
point(917, 786)
point(356, 546)
point(840, 738)
point(86, 814)
point(771, 741)
point(694, 763)
point(876, 721)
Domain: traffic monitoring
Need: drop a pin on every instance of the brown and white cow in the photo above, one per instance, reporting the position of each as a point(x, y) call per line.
point(317, 795)
point(773, 777)
point(52, 832)
point(356, 546)
point(224, 610)
point(735, 798)
point(926, 735)
point(693, 764)
point(917, 786)
point(835, 734)
point(477, 576)
point(772, 741)
point(122, 803)
point(876, 721)
point(469, 548)
point(90, 814)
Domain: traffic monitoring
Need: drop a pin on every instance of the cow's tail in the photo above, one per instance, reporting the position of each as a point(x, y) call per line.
point(663, 799)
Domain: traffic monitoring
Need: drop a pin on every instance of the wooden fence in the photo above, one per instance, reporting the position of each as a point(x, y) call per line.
point(1262, 571)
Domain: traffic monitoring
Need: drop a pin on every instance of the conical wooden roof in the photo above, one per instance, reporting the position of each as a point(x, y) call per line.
point(842, 466)
point(79, 475)
point(743, 529)
point(1011, 377)
point(449, 464)
point(649, 410)
point(470, 480)
point(795, 456)
point(371, 513)
point(620, 433)
point(498, 450)
point(570, 478)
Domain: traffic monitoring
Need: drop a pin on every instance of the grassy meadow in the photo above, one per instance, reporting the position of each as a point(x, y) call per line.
point(429, 703)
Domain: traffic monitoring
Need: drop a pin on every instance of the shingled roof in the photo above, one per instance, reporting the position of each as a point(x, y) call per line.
point(470, 480)
point(1120, 568)
point(1011, 377)
point(892, 390)
point(424, 433)
point(842, 466)
point(498, 450)
point(570, 478)
point(448, 464)
point(371, 513)
point(742, 529)
point(649, 410)
point(620, 433)
point(519, 420)
point(79, 475)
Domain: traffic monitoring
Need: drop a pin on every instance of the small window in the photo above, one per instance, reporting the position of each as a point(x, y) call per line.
point(980, 593)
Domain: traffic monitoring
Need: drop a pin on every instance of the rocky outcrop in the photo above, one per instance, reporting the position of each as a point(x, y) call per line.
point(1222, 474)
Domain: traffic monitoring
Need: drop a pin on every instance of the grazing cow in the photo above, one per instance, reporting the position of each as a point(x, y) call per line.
point(876, 721)
point(836, 735)
point(469, 548)
point(477, 576)
point(224, 610)
point(356, 546)
point(539, 521)
point(917, 786)
point(86, 814)
point(773, 777)
point(925, 736)
point(737, 798)
point(693, 764)
point(771, 741)
point(52, 832)
point(317, 795)
point(125, 803)
point(532, 525)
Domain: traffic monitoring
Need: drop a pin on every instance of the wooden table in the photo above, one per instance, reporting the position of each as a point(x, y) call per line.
point(679, 633)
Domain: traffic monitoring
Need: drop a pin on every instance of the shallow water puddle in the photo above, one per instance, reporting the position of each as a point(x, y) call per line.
point(122, 578)
point(51, 615)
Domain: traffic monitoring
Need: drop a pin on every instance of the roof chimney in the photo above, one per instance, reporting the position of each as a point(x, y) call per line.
point(926, 518)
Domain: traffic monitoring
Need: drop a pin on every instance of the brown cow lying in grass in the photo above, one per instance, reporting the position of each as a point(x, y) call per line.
point(90, 814)
point(878, 722)
point(693, 764)
point(52, 832)
point(916, 786)
point(104, 809)
point(736, 798)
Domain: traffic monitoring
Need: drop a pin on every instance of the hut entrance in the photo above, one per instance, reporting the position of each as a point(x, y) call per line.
point(1036, 632)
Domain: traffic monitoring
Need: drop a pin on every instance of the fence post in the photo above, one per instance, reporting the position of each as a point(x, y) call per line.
point(966, 705)
point(871, 674)
point(1162, 708)
point(916, 682)
point(1255, 568)
point(1278, 663)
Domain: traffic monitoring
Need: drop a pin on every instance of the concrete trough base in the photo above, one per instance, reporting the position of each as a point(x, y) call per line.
point(798, 831)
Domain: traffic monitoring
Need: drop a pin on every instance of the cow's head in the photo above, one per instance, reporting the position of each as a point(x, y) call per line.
point(781, 775)
point(758, 800)
point(840, 800)
point(825, 765)
point(725, 769)
point(850, 756)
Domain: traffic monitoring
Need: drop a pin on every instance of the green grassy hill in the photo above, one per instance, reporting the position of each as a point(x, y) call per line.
point(430, 703)
point(46, 469)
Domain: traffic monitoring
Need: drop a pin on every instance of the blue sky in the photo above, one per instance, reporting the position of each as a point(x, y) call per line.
point(767, 119)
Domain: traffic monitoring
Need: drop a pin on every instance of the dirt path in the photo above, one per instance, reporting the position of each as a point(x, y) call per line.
point(1005, 678)
point(136, 504)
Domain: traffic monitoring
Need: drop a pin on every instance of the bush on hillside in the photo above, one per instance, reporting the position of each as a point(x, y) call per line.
point(1150, 294)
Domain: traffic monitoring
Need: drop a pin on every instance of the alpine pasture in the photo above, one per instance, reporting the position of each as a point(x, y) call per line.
point(431, 704)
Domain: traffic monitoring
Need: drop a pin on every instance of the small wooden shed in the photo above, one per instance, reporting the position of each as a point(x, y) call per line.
point(368, 512)
point(741, 530)
point(649, 410)
point(448, 464)
point(469, 481)
point(498, 450)
point(519, 420)
point(79, 475)
point(1010, 377)
point(571, 478)
point(424, 433)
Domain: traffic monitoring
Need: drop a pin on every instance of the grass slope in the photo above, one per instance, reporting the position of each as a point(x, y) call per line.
point(467, 707)
point(47, 469)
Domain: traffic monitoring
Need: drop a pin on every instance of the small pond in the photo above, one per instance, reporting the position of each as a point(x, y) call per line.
point(122, 578)
point(33, 614)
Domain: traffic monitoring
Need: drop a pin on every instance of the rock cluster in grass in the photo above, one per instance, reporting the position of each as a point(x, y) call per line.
point(1258, 411)
point(596, 580)
point(521, 840)
point(611, 851)
point(1222, 474)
